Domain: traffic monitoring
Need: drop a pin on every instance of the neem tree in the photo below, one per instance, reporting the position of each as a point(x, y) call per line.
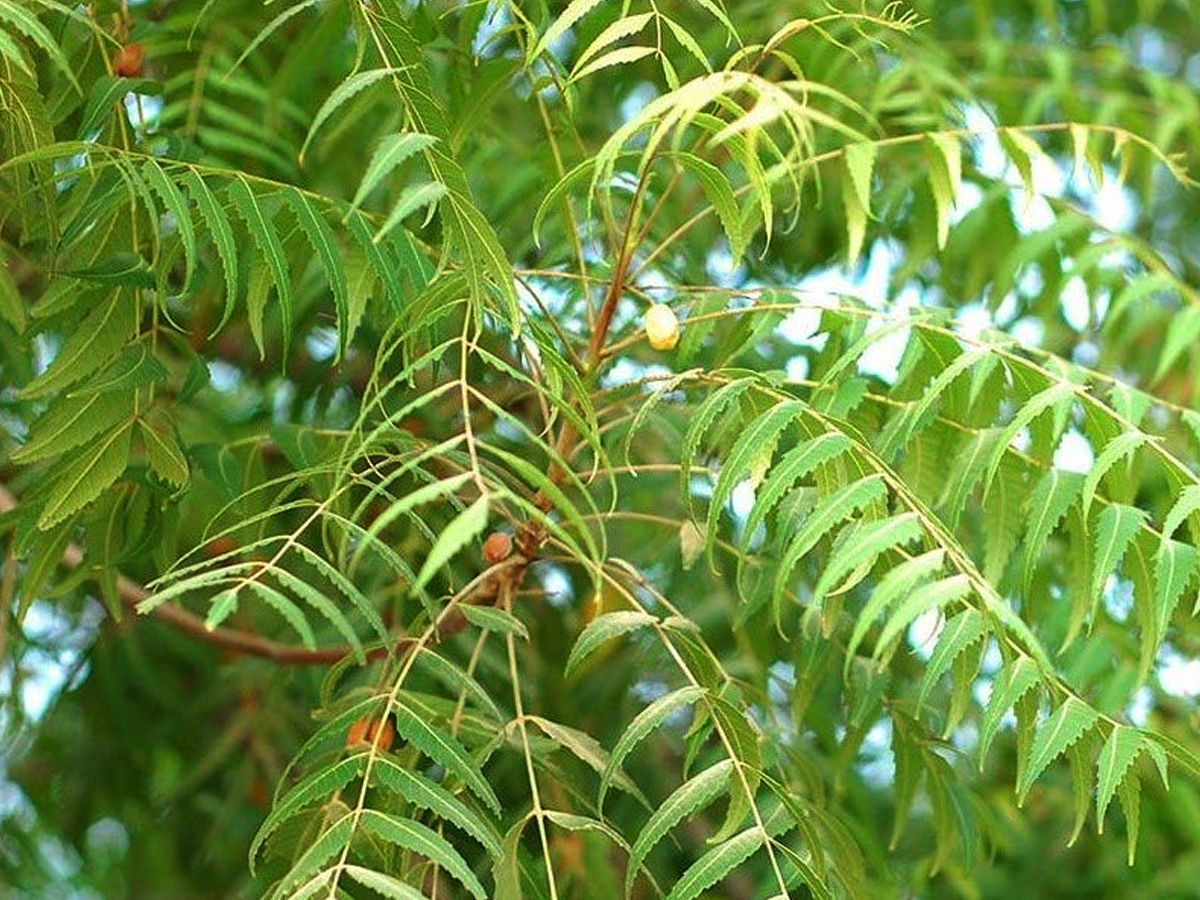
point(657, 448)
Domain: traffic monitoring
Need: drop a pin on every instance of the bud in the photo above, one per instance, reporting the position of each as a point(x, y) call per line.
point(662, 326)
point(220, 546)
point(497, 547)
point(128, 61)
point(363, 733)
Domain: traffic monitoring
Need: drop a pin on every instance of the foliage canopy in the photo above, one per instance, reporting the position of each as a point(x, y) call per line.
point(878, 583)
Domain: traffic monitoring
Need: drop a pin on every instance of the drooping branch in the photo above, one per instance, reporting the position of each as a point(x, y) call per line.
point(251, 644)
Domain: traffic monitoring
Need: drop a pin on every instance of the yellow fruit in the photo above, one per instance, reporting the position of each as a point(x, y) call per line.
point(662, 327)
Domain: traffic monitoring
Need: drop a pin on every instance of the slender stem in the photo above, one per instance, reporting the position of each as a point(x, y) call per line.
point(538, 811)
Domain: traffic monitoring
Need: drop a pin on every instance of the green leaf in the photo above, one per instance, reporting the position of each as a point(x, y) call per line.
point(346, 90)
point(135, 367)
point(14, 53)
point(458, 680)
point(12, 304)
point(939, 384)
point(385, 264)
point(705, 415)
point(73, 421)
point(1175, 566)
point(1182, 335)
point(490, 618)
point(720, 194)
point(864, 545)
point(1120, 750)
point(910, 766)
point(860, 165)
point(1022, 150)
point(642, 725)
point(222, 607)
point(1058, 394)
point(1139, 288)
point(463, 528)
point(1064, 727)
point(506, 871)
point(717, 863)
point(1083, 783)
point(177, 204)
point(166, 457)
point(382, 884)
point(757, 440)
point(1187, 503)
point(402, 506)
point(1129, 793)
point(601, 630)
point(686, 800)
point(1049, 501)
point(578, 175)
point(321, 239)
point(1085, 160)
point(331, 841)
point(621, 28)
point(97, 339)
point(265, 32)
point(289, 610)
point(968, 468)
point(1002, 519)
point(934, 596)
point(24, 21)
point(425, 794)
point(959, 633)
point(842, 503)
point(87, 476)
point(1009, 686)
point(1116, 527)
point(393, 149)
point(414, 197)
point(794, 465)
point(856, 195)
point(424, 841)
point(587, 749)
point(107, 93)
point(444, 749)
point(361, 602)
point(221, 232)
point(317, 787)
point(121, 269)
point(1123, 445)
point(267, 242)
point(316, 598)
point(619, 57)
point(945, 178)
point(742, 740)
point(898, 583)
point(575, 11)
point(472, 239)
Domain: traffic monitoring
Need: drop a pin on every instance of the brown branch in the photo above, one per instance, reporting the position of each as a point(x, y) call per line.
point(531, 536)
point(132, 593)
point(617, 286)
